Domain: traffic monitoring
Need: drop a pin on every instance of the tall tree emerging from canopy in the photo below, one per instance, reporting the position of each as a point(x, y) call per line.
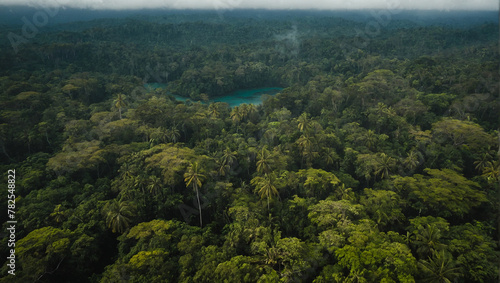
point(266, 186)
point(120, 103)
point(194, 178)
point(265, 161)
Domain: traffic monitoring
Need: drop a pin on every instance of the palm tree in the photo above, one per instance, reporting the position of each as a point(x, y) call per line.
point(492, 171)
point(59, 215)
point(154, 185)
point(223, 168)
point(226, 161)
point(307, 145)
point(213, 111)
point(128, 193)
point(118, 215)
point(345, 193)
point(408, 238)
point(384, 165)
point(174, 134)
point(265, 186)
point(140, 182)
point(228, 156)
point(264, 161)
point(236, 114)
point(439, 268)
point(194, 178)
point(271, 256)
point(303, 122)
point(483, 162)
point(412, 160)
point(158, 135)
point(427, 240)
point(163, 134)
point(244, 110)
point(383, 109)
point(329, 155)
point(370, 139)
point(120, 103)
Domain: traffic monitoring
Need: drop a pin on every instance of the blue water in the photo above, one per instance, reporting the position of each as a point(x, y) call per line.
point(248, 96)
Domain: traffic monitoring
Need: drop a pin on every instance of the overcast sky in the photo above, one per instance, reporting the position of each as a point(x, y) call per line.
point(268, 4)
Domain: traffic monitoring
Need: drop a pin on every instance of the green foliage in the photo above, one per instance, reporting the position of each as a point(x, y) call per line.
point(329, 213)
point(318, 182)
point(443, 192)
point(148, 265)
point(241, 269)
point(171, 160)
point(438, 102)
point(439, 268)
point(118, 215)
point(43, 250)
point(373, 256)
point(265, 187)
point(373, 163)
point(149, 251)
point(460, 133)
point(473, 249)
point(84, 155)
point(384, 207)
point(194, 178)
point(427, 233)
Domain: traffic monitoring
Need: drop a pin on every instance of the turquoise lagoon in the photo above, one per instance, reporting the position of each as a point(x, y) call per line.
point(249, 96)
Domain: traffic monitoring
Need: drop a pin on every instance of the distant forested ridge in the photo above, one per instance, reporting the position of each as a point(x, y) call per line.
point(378, 161)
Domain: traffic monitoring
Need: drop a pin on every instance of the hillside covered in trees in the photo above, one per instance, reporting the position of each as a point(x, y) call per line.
point(377, 162)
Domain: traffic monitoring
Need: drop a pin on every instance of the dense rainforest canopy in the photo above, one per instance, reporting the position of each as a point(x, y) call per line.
point(377, 162)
